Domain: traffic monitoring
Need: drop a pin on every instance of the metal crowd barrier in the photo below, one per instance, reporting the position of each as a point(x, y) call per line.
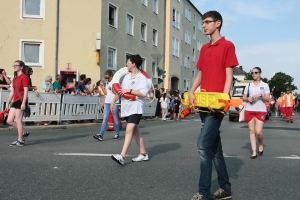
point(62, 107)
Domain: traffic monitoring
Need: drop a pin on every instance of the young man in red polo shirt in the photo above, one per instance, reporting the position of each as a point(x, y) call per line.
point(215, 65)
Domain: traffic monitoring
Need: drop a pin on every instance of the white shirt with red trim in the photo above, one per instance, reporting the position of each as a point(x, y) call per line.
point(138, 82)
point(258, 104)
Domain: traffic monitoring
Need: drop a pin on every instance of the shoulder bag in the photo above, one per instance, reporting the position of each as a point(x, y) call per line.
point(242, 111)
point(27, 110)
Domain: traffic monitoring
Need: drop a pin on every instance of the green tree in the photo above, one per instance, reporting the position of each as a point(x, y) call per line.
point(280, 82)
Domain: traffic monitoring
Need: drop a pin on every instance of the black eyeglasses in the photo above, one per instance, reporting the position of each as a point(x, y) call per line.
point(208, 21)
point(254, 73)
point(106, 77)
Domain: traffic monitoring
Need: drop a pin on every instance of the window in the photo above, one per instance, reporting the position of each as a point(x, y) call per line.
point(154, 39)
point(199, 45)
point(187, 37)
point(188, 13)
point(143, 32)
point(143, 65)
point(129, 24)
point(112, 16)
point(194, 55)
point(144, 2)
point(33, 9)
point(193, 76)
point(186, 61)
point(32, 52)
point(194, 32)
point(175, 47)
point(155, 6)
point(176, 17)
point(153, 69)
point(200, 25)
point(111, 58)
point(186, 85)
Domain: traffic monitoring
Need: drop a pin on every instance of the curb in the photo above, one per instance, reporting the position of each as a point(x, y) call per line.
point(50, 127)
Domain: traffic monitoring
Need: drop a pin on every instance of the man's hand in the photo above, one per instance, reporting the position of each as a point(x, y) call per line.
point(210, 109)
point(7, 86)
point(191, 98)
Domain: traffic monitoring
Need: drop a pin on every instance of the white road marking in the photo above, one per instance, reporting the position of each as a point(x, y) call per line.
point(290, 157)
point(82, 154)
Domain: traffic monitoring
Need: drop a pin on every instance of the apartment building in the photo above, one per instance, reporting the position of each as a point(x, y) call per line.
point(88, 37)
point(53, 37)
point(81, 37)
point(132, 28)
point(184, 39)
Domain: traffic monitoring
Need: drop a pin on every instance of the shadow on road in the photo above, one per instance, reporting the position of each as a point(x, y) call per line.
point(233, 164)
point(248, 146)
point(60, 139)
point(163, 148)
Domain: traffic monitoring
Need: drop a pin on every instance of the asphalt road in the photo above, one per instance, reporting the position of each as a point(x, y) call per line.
point(70, 164)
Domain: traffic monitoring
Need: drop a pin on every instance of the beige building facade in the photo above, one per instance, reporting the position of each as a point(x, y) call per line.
point(51, 36)
point(184, 39)
point(88, 37)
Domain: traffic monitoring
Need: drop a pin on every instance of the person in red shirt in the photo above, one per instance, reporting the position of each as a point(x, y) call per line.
point(15, 116)
point(215, 65)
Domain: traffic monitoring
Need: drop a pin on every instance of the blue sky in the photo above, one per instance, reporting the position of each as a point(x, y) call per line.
point(265, 33)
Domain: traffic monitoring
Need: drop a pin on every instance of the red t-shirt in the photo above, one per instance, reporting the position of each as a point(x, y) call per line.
point(213, 61)
point(21, 82)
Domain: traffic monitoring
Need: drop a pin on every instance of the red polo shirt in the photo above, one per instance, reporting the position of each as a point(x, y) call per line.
point(21, 82)
point(213, 61)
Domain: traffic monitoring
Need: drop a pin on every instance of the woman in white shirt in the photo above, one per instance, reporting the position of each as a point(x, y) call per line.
point(137, 84)
point(164, 101)
point(256, 94)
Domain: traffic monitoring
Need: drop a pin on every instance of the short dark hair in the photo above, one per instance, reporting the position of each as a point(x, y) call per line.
point(258, 68)
point(136, 59)
point(109, 73)
point(82, 77)
point(215, 15)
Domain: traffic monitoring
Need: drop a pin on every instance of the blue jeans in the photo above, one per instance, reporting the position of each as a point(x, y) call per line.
point(210, 150)
point(106, 112)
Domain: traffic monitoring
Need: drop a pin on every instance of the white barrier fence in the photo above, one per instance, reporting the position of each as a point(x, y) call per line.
point(61, 107)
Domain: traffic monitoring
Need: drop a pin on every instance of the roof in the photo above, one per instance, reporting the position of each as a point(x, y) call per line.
point(238, 71)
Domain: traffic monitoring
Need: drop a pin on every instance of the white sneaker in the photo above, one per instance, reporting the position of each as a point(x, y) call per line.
point(118, 158)
point(141, 157)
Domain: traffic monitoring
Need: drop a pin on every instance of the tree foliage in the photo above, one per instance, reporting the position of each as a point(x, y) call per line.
point(280, 82)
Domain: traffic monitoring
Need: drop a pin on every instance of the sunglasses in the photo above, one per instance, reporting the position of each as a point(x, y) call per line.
point(107, 77)
point(254, 72)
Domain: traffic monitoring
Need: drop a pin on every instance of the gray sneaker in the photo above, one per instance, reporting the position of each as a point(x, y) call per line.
point(26, 134)
point(116, 137)
point(222, 194)
point(199, 196)
point(20, 144)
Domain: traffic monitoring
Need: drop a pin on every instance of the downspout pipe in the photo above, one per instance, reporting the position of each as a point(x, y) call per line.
point(57, 38)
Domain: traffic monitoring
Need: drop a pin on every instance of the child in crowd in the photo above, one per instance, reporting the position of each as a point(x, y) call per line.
point(177, 107)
